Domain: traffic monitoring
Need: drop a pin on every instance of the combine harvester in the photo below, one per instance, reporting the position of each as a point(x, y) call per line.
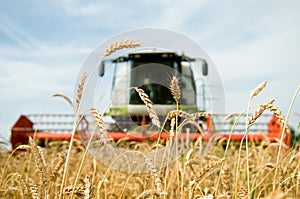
point(128, 110)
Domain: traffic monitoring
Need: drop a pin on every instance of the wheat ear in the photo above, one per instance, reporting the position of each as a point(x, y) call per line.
point(155, 176)
point(202, 172)
point(58, 165)
point(39, 161)
point(149, 106)
point(258, 113)
point(191, 189)
point(226, 178)
point(178, 113)
point(34, 191)
point(99, 123)
point(80, 89)
point(118, 45)
point(23, 185)
point(242, 192)
point(201, 114)
point(64, 97)
point(208, 168)
point(175, 89)
point(279, 115)
point(172, 133)
point(88, 188)
point(78, 191)
point(23, 147)
point(258, 89)
point(149, 192)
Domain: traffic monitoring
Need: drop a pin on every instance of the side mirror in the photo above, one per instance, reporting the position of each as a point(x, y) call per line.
point(204, 68)
point(101, 68)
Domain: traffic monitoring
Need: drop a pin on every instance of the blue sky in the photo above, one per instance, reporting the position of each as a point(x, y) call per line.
point(44, 43)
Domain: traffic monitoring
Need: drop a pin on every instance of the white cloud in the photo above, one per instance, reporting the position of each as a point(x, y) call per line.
point(77, 8)
point(273, 57)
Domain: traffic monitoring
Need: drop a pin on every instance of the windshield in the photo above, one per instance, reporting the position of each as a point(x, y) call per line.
point(152, 73)
point(154, 80)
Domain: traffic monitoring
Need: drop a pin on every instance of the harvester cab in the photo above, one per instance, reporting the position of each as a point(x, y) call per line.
point(151, 71)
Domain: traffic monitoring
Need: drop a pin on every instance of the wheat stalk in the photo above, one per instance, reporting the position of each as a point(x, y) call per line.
point(175, 89)
point(64, 97)
point(149, 106)
point(258, 89)
point(80, 89)
point(230, 115)
point(118, 45)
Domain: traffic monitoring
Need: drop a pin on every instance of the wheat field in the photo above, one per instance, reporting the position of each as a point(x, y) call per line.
point(38, 173)
point(65, 169)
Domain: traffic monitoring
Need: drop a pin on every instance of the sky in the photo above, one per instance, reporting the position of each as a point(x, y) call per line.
point(43, 45)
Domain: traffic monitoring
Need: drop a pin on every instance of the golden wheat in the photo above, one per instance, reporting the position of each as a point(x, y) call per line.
point(118, 45)
point(227, 180)
point(58, 166)
point(191, 188)
point(175, 89)
point(242, 192)
point(196, 182)
point(34, 192)
point(23, 185)
point(80, 89)
point(258, 89)
point(155, 175)
point(64, 97)
point(149, 106)
point(256, 115)
point(88, 188)
point(190, 177)
point(201, 114)
point(178, 113)
point(39, 161)
point(271, 107)
point(230, 115)
point(23, 147)
point(208, 168)
point(172, 130)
